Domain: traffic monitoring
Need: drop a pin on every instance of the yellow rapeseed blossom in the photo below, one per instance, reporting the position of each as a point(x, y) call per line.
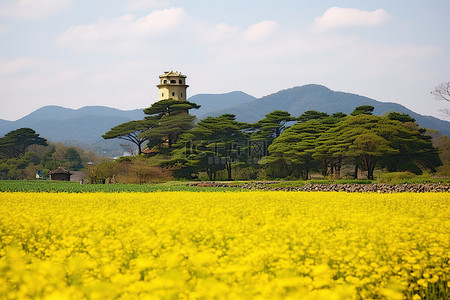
point(230, 245)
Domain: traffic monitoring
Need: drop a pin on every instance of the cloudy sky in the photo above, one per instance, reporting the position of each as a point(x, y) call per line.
point(75, 53)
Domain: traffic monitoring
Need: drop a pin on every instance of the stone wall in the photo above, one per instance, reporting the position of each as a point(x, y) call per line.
point(352, 188)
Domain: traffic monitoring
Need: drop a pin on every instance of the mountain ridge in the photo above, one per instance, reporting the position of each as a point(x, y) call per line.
point(297, 100)
point(221, 101)
point(86, 125)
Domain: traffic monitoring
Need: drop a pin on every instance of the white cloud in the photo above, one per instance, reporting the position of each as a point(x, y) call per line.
point(217, 57)
point(336, 17)
point(226, 36)
point(19, 65)
point(32, 8)
point(261, 30)
point(224, 32)
point(147, 4)
point(125, 32)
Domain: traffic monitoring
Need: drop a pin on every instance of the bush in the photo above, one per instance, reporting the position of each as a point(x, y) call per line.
point(394, 177)
point(246, 172)
point(140, 171)
point(102, 172)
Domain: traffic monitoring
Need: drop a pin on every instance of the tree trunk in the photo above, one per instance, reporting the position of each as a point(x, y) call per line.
point(355, 175)
point(370, 169)
point(228, 166)
point(306, 174)
point(338, 171)
point(369, 163)
point(209, 173)
point(324, 167)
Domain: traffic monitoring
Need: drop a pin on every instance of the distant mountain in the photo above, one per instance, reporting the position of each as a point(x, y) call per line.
point(4, 124)
point(214, 102)
point(53, 112)
point(316, 97)
point(84, 127)
point(81, 127)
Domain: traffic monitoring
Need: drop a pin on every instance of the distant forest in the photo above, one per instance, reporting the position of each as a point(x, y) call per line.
point(171, 143)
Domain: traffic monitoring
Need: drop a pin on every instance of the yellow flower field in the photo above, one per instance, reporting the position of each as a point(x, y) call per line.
point(230, 245)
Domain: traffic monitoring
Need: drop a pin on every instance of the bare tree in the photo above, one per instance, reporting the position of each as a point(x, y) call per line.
point(128, 148)
point(442, 92)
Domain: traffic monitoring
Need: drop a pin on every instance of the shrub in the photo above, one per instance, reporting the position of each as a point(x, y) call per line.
point(394, 177)
point(140, 171)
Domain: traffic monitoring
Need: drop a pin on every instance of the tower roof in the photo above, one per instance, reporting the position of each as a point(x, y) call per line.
point(172, 74)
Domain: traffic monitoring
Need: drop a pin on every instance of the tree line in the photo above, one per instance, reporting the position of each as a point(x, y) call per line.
point(279, 145)
point(170, 142)
point(23, 153)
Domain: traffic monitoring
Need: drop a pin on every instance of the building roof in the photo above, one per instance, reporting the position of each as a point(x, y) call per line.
point(60, 170)
point(148, 150)
point(172, 74)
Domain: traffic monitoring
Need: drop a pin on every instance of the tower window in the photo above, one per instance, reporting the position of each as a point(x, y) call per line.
point(181, 95)
point(173, 94)
point(162, 95)
point(173, 81)
point(165, 81)
point(180, 81)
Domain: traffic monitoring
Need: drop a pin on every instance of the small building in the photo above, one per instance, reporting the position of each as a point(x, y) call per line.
point(60, 173)
point(172, 86)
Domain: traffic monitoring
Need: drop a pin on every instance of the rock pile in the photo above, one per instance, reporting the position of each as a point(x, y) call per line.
point(351, 188)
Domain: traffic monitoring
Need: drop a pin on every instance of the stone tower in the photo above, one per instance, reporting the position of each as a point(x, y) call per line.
point(172, 86)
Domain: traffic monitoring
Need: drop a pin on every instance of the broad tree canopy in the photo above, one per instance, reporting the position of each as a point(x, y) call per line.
point(272, 125)
point(16, 142)
point(130, 131)
point(215, 143)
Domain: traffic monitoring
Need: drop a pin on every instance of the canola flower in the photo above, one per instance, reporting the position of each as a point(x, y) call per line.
point(252, 245)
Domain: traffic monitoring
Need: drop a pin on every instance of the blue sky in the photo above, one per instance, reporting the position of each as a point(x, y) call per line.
point(108, 52)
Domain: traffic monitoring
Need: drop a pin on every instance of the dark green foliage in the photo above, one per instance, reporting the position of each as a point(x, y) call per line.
point(166, 120)
point(291, 155)
point(317, 142)
point(363, 140)
point(404, 145)
point(338, 115)
point(131, 132)
point(400, 117)
point(42, 159)
point(363, 110)
point(369, 148)
point(75, 187)
point(169, 107)
point(172, 119)
point(167, 129)
point(30, 158)
point(73, 158)
point(271, 127)
point(216, 143)
point(311, 115)
point(415, 152)
point(47, 160)
point(16, 142)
